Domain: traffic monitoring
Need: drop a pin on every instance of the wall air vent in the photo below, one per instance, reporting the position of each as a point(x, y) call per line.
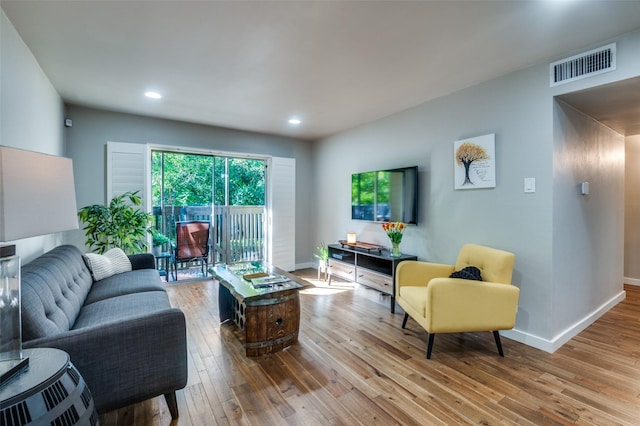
point(584, 65)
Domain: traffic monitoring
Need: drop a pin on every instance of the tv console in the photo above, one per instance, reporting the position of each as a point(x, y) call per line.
point(375, 269)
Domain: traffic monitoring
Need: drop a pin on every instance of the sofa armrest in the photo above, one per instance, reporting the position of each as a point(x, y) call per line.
point(416, 273)
point(142, 261)
point(145, 355)
point(455, 304)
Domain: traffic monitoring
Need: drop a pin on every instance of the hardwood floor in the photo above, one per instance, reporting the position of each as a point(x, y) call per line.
point(355, 365)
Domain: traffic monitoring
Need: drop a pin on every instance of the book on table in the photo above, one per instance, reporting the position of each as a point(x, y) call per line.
point(269, 280)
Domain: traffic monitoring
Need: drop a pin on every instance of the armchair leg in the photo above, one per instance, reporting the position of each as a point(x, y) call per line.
point(496, 336)
point(430, 345)
point(404, 321)
point(172, 403)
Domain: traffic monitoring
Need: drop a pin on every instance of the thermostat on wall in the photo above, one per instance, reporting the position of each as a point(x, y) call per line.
point(584, 188)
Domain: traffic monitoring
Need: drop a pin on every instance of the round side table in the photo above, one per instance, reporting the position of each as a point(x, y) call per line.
point(49, 391)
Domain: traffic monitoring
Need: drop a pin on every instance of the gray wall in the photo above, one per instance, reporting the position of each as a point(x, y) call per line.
point(632, 211)
point(517, 111)
point(92, 129)
point(520, 109)
point(588, 230)
point(31, 115)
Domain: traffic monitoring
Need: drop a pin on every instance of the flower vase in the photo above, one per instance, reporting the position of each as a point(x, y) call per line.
point(395, 250)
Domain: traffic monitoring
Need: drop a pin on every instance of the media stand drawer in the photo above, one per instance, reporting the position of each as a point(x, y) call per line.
point(383, 283)
point(343, 270)
point(373, 269)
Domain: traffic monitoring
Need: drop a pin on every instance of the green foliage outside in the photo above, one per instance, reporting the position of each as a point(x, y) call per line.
point(246, 182)
point(188, 179)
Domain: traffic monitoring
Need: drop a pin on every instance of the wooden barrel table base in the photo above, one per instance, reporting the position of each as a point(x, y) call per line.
point(269, 319)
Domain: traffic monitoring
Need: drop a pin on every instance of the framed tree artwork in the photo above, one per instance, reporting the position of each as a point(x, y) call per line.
point(474, 162)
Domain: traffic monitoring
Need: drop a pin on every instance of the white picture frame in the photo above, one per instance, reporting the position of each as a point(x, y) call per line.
point(474, 162)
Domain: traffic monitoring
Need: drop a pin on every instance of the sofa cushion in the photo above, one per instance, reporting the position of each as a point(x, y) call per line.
point(54, 288)
point(102, 266)
point(127, 283)
point(142, 261)
point(120, 308)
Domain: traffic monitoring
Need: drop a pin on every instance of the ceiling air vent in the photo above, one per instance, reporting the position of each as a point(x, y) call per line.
point(584, 65)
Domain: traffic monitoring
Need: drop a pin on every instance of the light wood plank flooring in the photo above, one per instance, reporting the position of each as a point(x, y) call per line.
point(354, 365)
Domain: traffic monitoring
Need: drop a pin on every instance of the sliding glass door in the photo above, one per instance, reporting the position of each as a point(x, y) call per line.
point(240, 221)
point(229, 192)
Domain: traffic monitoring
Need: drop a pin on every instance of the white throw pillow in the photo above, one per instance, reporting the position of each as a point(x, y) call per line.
point(102, 266)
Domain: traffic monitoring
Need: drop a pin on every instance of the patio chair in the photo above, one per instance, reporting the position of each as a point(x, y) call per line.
point(192, 244)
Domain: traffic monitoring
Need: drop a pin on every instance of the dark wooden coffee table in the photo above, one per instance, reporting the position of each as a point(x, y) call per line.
point(265, 308)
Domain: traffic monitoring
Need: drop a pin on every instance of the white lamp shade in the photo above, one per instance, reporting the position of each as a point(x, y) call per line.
point(351, 238)
point(37, 194)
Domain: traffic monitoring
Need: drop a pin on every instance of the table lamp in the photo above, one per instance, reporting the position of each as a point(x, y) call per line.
point(351, 238)
point(37, 197)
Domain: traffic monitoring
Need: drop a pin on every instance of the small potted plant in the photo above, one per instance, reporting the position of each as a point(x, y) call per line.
point(322, 253)
point(158, 240)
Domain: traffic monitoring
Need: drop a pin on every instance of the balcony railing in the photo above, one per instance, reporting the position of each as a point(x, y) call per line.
point(237, 232)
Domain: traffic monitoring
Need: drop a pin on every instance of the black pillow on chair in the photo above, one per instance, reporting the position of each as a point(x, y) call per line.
point(467, 273)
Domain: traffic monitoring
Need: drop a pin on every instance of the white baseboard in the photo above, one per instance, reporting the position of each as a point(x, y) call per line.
point(528, 339)
point(306, 265)
point(632, 281)
point(541, 343)
point(554, 344)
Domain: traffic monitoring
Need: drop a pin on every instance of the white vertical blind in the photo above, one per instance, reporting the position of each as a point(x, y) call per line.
point(282, 213)
point(128, 169)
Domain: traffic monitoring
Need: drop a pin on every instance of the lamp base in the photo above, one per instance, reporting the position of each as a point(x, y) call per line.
point(11, 367)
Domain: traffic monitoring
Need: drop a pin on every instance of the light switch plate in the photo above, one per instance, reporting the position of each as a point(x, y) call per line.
point(529, 184)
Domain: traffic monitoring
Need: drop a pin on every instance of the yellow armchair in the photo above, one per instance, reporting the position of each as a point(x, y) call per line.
point(451, 305)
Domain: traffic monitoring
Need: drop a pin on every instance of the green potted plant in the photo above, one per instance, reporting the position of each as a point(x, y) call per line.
point(158, 241)
point(120, 224)
point(322, 253)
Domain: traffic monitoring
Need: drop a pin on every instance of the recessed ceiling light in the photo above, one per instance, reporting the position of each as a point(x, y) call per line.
point(295, 121)
point(153, 95)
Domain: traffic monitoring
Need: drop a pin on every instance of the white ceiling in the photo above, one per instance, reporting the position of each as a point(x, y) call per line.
point(335, 64)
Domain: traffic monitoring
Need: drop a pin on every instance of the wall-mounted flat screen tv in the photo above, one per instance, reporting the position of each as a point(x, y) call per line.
point(385, 195)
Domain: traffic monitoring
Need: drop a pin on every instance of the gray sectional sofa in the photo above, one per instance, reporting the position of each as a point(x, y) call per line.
point(121, 332)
